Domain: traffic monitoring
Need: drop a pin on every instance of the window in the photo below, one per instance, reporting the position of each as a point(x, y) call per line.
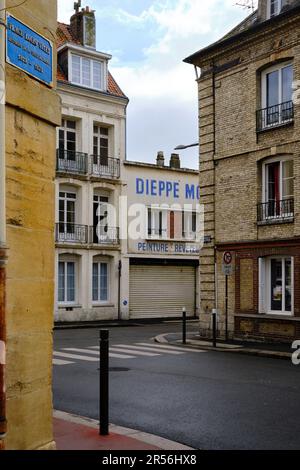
point(100, 282)
point(157, 223)
point(66, 282)
point(100, 148)
point(100, 211)
point(276, 285)
point(67, 211)
point(189, 225)
point(277, 91)
point(278, 189)
point(67, 140)
point(87, 72)
point(274, 8)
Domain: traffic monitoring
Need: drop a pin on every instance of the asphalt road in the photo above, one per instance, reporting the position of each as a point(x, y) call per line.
point(206, 400)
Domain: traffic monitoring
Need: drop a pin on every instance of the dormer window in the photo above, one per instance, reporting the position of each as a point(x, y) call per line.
point(87, 72)
point(274, 8)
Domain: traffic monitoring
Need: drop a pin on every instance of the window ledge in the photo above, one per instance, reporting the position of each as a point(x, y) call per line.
point(103, 305)
point(65, 307)
point(277, 126)
point(279, 221)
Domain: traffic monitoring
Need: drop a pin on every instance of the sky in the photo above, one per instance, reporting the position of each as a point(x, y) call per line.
point(148, 40)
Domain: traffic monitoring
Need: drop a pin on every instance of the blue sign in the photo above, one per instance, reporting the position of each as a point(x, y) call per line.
point(29, 51)
point(166, 189)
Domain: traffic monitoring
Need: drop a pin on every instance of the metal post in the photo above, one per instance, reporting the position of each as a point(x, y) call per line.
point(214, 327)
point(226, 308)
point(184, 325)
point(119, 289)
point(104, 383)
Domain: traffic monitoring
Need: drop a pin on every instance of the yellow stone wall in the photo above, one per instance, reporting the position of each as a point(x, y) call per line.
point(32, 114)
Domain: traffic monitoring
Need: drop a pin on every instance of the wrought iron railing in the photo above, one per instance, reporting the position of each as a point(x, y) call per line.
point(68, 161)
point(104, 235)
point(71, 233)
point(275, 210)
point(274, 116)
point(105, 167)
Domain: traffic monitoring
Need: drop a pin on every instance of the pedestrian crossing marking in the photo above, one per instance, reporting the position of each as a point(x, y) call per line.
point(75, 356)
point(150, 348)
point(129, 350)
point(119, 351)
point(175, 348)
point(60, 362)
point(88, 351)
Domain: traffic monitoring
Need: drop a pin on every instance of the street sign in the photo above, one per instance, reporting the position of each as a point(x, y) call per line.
point(227, 269)
point(227, 258)
point(29, 51)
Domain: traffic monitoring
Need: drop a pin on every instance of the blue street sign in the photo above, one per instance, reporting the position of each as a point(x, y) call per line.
point(29, 51)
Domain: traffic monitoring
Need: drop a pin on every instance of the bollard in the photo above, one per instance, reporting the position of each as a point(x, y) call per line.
point(184, 325)
point(214, 327)
point(104, 383)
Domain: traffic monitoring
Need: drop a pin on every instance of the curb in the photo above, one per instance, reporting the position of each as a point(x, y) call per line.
point(146, 438)
point(162, 339)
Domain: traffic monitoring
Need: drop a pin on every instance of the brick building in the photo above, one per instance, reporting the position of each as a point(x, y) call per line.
point(250, 173)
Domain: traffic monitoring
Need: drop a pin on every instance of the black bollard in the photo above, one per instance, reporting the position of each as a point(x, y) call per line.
point(104, 383)
point(214, 326)
point(183, 325)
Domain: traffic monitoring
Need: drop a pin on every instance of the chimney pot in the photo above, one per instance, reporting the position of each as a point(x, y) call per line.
point(175, 161)
point(160, 160)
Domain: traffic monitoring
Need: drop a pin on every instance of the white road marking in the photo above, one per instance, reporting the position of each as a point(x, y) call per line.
point(75, 356)
point(150, 348)
point(175, 348)
point(129, 349)
point(59, 362)
point(88, 351)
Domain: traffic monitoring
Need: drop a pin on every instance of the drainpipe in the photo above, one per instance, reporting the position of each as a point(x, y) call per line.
point(3, 426)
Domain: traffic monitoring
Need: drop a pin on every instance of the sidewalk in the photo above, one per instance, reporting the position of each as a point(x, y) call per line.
point(76, 433)
point(273, 350)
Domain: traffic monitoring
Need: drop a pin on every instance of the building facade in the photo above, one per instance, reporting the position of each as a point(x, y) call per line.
point(250, 174)
point(160, 257)
point(32, 114)
point(90, 150)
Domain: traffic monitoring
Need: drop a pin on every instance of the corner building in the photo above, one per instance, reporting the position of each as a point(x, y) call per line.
point(250, 174)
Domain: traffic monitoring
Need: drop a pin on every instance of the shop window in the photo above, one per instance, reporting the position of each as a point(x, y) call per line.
point(276, 282)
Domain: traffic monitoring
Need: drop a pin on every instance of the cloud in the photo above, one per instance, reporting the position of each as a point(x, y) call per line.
point(162, 90)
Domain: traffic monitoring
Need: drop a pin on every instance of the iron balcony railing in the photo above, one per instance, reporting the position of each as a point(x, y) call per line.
point(275, 210)
point(68, 161)
point(71, 233)
point(104, 235)
point(105, 167)
point(274, 116)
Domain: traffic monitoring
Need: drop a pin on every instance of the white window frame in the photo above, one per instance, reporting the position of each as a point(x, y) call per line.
point(274, 68)
point(155, 228)
point(190, 234)
point(80, 81)
point(265, 286)
point(265, 186)
point(279, 8)
point(99, 262)
point(67, 260)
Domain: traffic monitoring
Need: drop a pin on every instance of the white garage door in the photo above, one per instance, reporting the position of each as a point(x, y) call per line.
point(161, 291)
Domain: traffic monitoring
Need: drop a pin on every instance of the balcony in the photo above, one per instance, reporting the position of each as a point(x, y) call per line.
point(71, 233)
point(104, 235)
point(84, 235)
point(105, 167)
point(68, 161)
point(276, 211)
point(274, 116)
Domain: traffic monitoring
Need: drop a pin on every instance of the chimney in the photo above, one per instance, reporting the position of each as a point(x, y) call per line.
point(175, 161)
point(83, 25)
point(160, 160)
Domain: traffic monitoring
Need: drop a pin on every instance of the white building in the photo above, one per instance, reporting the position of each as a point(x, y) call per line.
point(160, 262)
point(90, 152)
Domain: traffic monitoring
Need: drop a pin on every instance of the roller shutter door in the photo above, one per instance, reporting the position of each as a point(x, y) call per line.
point(161, 291)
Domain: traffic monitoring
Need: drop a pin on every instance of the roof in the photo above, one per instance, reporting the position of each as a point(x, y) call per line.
point(154, 166)
point(250, 24)
point(64, 35)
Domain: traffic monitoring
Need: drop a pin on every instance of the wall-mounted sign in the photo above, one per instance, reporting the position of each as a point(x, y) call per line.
point(168, 248)
point(29, 51)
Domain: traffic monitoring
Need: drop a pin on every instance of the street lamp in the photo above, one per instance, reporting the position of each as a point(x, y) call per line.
point(183, 147)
